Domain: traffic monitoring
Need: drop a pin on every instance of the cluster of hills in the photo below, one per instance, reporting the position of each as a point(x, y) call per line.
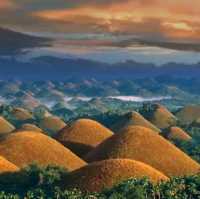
point(101, 124)
point(33, 101)
point(90, 95)
point(135, 145)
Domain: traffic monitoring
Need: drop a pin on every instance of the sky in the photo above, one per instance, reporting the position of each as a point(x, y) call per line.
point(165, 20)
point(110, 30)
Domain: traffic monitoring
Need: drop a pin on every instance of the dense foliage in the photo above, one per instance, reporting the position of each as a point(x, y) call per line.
point(34, 182)
point(192, 147)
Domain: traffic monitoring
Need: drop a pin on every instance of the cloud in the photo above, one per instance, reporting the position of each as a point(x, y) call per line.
point(150, 19)
point(155, 20)
point(6, 4)
point(68, 4)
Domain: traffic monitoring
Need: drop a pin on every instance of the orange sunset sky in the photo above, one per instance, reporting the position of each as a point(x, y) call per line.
point(171, 20)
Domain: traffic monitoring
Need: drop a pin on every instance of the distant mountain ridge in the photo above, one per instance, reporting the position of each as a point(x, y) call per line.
point(52, 68)
point(12, 42)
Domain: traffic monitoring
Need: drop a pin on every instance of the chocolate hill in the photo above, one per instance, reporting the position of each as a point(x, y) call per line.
point(133, 118)
point(26, 100)
point(176, 133)
point(24, 148)
point(83, 135)
point(161, 117)
point(52, 124)
point(188, 114)
point(6, 166)
point(104, 174)
point(30, 127)
point(5, 126)
point(21, 114)
point(142, 144)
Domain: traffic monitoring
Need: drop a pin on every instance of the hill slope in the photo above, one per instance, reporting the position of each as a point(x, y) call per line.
point(5, 126)
point(104, 174)
point(188, 114)
point(52, 124)
point(30, 127)
point(176, 133)
point(26, 147)
point(21, 114)
point(161, 117)
point(135, 119)
point(83, 135)
point(142, 144)
point(6, 166)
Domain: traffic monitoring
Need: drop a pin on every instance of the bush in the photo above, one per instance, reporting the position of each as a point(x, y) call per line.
point(30, 178)
point(192, 148)
point(36, 182)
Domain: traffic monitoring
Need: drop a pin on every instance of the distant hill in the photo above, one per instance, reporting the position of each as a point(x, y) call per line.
point(13, 42)
point(133, 119)
point(5, 126)
point(188, 114)
point(160, 116)
point(176, 133)
point(54, 68)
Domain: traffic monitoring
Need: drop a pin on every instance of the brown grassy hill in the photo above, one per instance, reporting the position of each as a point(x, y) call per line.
point(142, 144)
point(104, 174)
point(52, 123)
point(30, 127)
point(188, 114)
point(5, 126)
point(6, 166)
point(27, 101)
point(22, 114)
point(83, 135)
point(176, 133)
point(161, 117)
point(133, 118)
point(26, 147)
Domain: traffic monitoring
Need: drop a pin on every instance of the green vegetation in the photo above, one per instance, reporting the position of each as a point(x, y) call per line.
point(35, 182)
point(192, 147)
